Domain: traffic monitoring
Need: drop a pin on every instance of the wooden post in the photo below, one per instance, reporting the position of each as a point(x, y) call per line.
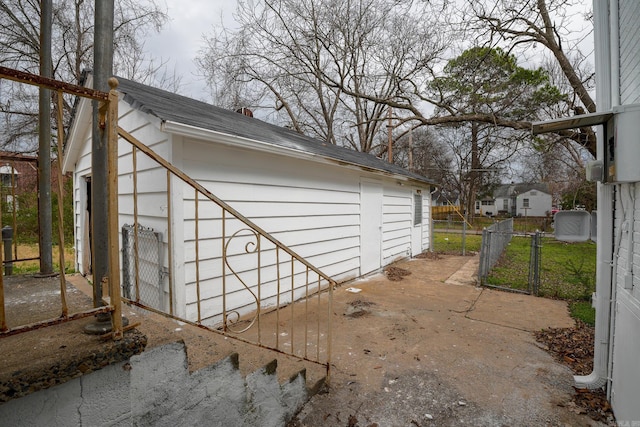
point(112, 209)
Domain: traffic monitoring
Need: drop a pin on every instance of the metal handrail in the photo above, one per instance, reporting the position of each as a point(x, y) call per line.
point(109, 113)
point(231, 319)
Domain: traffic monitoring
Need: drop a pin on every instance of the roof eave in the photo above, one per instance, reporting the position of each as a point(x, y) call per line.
point(266, 147)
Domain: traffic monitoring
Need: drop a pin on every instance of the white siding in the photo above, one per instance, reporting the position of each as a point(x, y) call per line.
point(80, 227)
point(397, 222)
point(626, 339)
point(625, 375)
point(426, 220)
point(312, 209)
point(539, 203)
point(629, 51)
point(151, 181)
point(623, 322)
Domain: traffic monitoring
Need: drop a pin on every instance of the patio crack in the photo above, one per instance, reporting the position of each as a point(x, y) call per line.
point(473, 306)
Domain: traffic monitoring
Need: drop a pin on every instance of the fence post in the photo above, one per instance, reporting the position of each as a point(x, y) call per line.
point(534, 263)
point(483, 256)
point(7, 238)
point(464, 234)
point(536, 282)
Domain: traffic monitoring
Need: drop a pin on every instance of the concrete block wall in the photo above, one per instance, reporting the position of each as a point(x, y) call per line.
point(155, 388)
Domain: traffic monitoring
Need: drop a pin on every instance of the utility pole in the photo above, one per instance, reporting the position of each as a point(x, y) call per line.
point(44, 145)
point(411, 150)
point(102, 70)
point(390, 133)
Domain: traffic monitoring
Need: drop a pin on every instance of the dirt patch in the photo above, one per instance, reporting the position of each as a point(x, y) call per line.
point(573, 347)
point(428, 255)
point(395, 274)
point(358, 308)
point(429, 353)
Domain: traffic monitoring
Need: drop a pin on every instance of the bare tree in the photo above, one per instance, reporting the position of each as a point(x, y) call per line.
point(307, 62)
point(72, 53)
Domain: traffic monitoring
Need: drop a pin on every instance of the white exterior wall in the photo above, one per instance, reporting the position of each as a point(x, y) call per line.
point(539, 203)
point(629, 51)
point(151, 183)
point(313, 208)
point(427, 224)
point(80, 200)
point(500, 206)
point(625, 342)
point(397, 223)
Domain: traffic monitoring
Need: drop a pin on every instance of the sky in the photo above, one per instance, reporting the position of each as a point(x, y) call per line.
point(182, 37)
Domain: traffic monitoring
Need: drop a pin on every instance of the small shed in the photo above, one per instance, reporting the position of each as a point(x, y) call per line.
point(346, 212)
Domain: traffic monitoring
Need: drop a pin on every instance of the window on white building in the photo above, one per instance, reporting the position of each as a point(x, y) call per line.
point(525, 203)
point(417, 209)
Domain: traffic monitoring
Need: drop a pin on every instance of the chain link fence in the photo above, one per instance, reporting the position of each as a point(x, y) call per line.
point(535, 263)
point(494, 242)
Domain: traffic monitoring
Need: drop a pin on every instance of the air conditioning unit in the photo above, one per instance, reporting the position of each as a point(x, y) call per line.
point(622, 145)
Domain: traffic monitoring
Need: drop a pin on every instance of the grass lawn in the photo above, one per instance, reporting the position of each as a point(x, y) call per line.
point(451, 243)
point(568, 272)
point(31, 251)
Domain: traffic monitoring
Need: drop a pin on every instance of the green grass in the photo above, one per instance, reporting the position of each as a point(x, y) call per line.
point(512, 270)
point(582, 310)
point(567, 271)
point(451, 243)
point(33, 266)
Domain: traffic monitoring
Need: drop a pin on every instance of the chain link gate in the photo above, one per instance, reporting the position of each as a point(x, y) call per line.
point(495, 240)
point(534, 263)
point(142, 266)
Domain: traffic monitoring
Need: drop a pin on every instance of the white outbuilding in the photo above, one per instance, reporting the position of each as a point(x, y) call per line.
point(348, 213)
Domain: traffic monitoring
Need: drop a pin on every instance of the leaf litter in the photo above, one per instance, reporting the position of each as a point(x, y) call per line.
point(574, 347)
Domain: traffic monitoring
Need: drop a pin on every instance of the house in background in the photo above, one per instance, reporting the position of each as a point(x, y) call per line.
point(348, 213)
point(517, 200)
point(18, 176)
point(617, 296)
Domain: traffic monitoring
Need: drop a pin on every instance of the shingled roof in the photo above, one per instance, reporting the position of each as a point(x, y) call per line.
point(171, 107)
point(510, 190)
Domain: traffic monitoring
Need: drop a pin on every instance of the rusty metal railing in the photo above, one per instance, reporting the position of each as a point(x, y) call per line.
point(109, 116)
point(221, 271)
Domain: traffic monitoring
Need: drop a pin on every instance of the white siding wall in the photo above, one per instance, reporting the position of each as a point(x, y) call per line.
point(397, 222)
point(623, 321)
point(625, 375)
point(426, 220)
point(313, 209)
point(152, 202)
point(539, 203)
point(626, 340)
point(629, 51)
point(80, 224)
point(151, 182)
